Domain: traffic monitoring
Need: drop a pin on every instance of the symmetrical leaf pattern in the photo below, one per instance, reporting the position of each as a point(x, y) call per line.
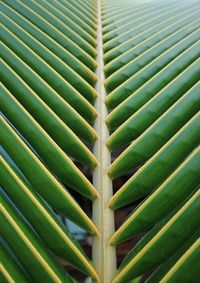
point(48, 102)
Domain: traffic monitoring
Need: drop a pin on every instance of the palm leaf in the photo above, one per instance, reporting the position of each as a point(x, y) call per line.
point(99, 104)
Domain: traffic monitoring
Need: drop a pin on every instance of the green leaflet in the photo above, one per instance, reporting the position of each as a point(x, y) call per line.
point(173, 232)
point(70, 60)
point(45, 183)
point(187, 266)
point(136, 18)
point(166, 266)
point(149, 89)
point(177, 188)
point(81, 12)
point(46, 22)
point(156, 106)
point(44, 10)
point(86, 27)
point(83, 87)
point(116, 14)
point(82, 35)
point(61, 108)
point(122, 92)
point(53, 233)
point(10, 270)
point(81, 8)
point(118, 169)
point(73, 97)
point(39, 263)
point(163, 162)
point(159, 55)
point(158, 28)
point(40, 139)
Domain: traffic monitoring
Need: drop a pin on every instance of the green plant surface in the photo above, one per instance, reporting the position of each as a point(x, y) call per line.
point(99, 141)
